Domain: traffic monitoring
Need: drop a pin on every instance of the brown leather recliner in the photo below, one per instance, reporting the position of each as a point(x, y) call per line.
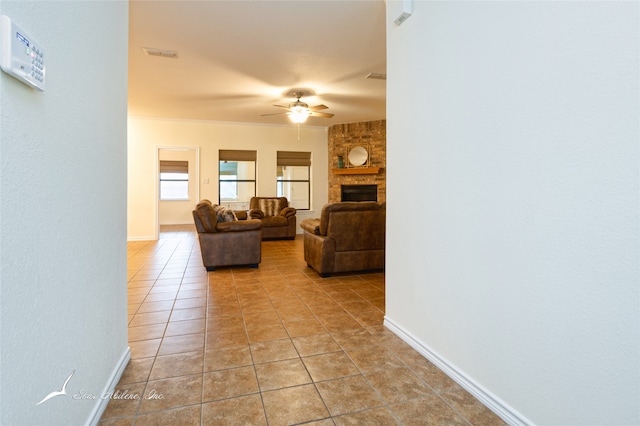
point(278, 219)
point(348, 237)
point(227, 243)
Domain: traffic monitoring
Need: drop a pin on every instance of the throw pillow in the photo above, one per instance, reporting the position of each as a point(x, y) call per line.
point(269, 207)
point(224, 214)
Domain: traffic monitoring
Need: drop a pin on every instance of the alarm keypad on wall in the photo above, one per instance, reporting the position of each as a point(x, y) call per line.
point(21, 56)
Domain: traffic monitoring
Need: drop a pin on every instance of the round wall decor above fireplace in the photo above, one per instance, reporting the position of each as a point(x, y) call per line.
point(358, 156)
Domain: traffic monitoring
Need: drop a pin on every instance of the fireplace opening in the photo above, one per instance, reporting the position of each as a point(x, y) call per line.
point(359, 193)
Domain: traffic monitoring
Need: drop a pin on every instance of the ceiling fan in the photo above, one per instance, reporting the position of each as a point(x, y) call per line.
point(298, 111)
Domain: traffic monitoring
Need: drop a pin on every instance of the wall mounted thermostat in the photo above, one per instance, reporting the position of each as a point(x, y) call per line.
point(21, 56)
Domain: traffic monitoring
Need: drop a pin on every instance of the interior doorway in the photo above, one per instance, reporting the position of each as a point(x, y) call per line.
point(178, 188)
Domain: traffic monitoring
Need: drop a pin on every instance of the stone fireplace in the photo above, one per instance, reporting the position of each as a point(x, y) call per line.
point(369, 134)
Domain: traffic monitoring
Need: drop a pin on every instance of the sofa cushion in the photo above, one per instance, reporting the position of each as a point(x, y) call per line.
point(269, 221)
point(270, 206)
point(224, 214)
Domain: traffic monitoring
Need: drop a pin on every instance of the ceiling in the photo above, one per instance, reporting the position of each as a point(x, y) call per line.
point(236, 59)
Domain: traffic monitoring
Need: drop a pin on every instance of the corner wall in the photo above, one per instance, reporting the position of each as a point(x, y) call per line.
point(512, 132)
point(63, 299)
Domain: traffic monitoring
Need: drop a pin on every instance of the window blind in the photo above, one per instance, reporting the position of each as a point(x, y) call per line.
point(174, 166)
point(236, 155)
point(293, 158)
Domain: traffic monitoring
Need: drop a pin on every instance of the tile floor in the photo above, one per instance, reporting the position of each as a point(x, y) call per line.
point(276, 345)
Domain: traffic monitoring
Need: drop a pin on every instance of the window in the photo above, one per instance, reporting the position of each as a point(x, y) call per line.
point(237, 182)
point(174, 180)
point(293, 178)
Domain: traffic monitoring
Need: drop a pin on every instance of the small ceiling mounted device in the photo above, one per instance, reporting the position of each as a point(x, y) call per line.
point(298, 111)
point(149, 51)
point(376, 76)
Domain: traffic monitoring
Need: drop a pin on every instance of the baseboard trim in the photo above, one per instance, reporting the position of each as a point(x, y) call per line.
point(495, 404)
point(98, 410)
point(151, 238)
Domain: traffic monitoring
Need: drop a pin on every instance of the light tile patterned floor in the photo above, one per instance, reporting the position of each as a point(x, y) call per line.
point(276, 345)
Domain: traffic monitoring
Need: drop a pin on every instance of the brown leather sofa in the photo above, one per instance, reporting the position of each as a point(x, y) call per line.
point(348, 237)
point(238, 242)
point(278, 219)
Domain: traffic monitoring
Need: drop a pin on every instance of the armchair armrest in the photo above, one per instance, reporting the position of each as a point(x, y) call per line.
point(312, 226)
point(288, 212)
point(256, 214)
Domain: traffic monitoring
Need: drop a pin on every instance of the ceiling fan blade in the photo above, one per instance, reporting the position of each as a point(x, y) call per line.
point(281, 106)
point(274, 113)
point(321, 114)
point(318, 107)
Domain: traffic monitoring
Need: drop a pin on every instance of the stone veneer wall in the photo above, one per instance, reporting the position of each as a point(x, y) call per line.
point(373, 136)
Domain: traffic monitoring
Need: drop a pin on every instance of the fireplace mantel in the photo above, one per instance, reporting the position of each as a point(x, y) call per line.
point(357, 171)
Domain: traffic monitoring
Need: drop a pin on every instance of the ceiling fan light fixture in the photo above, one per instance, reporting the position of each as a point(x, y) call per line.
point(299, 111)
point(299, 114)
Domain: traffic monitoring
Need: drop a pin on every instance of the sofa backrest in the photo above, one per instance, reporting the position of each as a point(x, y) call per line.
point(270, 206)
point(204, 217)
point(354, 225)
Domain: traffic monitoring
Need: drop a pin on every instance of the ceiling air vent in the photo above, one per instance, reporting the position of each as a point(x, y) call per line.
point(160, 52)
point(376, 76)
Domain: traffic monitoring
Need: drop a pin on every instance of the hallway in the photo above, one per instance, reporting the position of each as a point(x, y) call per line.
point(275, 345)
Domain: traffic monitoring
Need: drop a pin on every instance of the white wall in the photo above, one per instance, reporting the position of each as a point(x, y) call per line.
point(63, 225)
point(146, 134)
point(518, 122)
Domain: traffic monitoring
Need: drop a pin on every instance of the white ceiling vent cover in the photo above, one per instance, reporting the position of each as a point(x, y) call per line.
point(376, 76)
point(160, 52)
